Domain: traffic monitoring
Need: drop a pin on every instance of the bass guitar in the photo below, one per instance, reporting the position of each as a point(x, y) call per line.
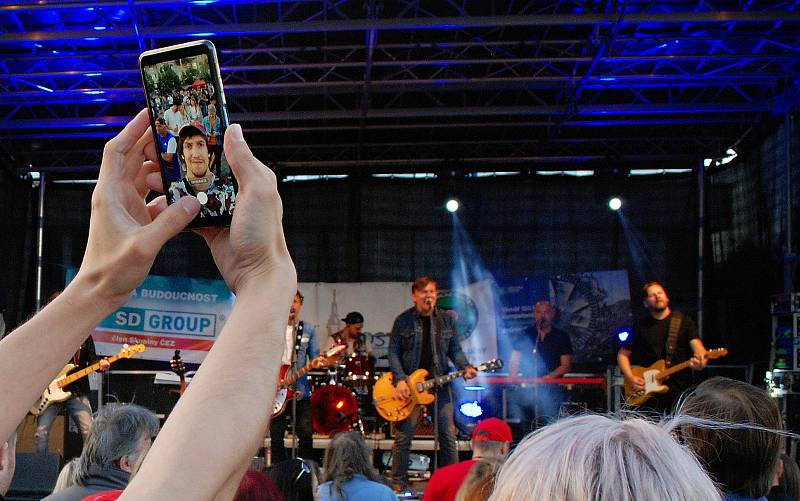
point(655, 375)
point(287, 379)
point(55, 392)
point(394, 410)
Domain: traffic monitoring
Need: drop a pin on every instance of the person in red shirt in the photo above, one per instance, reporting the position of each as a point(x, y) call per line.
point(490, 440)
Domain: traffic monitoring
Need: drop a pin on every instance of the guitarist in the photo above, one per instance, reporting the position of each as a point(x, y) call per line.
point(301, 347)
point(77, 405)
point(416, 333)
point(649, 344)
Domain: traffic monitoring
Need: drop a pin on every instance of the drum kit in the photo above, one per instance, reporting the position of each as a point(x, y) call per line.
point(341, 397)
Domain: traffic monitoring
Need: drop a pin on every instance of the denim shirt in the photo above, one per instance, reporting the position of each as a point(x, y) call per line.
point(405, 343)
point(309, 350)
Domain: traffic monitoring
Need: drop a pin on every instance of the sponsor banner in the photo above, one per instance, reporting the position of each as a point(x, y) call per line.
point(167, 314)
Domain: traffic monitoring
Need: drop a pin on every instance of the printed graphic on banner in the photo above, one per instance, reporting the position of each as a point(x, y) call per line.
point(167, 314)
point(590, 307)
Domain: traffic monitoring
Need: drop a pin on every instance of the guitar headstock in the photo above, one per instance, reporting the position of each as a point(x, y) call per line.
point(130, 351)
point(716, 353)
point(492, 365)
point(176, 362)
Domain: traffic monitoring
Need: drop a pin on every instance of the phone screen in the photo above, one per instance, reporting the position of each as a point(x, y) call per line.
point(189, 118)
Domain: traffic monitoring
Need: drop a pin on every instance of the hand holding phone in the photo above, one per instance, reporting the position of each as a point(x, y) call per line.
point(192, 160)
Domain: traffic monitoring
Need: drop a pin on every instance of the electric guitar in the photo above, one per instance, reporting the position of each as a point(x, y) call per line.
point(55, 391)
point(176, 363)
point(287, 379)
point(398, 410)
point(655, 375)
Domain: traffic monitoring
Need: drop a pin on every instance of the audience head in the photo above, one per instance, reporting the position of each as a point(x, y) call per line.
point(479, 482)
point(296, 478)
point(600, 458)
point(121, 435)
point(743, 459)
point(348, 454)
point(790, 477)
point(67, 475)
point(257, 486)
point(491, 438)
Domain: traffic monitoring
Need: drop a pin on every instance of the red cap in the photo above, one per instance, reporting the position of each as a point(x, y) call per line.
point(493, 429)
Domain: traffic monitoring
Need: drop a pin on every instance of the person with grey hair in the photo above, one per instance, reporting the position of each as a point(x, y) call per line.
point(349, 474)
point(603, 458)
point(121, 435)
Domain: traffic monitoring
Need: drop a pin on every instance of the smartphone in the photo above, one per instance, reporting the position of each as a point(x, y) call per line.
point(189, 118)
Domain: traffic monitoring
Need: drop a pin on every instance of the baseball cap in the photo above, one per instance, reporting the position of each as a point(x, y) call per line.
point(492, 429)
point(354, 317)
point(193, 129)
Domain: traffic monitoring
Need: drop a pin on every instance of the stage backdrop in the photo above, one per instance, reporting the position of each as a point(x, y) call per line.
point(592, 308)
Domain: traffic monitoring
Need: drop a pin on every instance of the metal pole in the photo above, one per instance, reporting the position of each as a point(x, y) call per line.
point(701, 190)
point(788, 261)
point(40, 241)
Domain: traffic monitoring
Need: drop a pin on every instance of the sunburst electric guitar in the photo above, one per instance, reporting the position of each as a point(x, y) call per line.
point(287, 378)
point(55, 392)
point(391, 409)
point(655, 376)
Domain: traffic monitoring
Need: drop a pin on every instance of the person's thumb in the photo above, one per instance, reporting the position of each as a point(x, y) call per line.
point(172, 220)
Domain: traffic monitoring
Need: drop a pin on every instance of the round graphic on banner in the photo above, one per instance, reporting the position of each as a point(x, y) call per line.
point(463, 308)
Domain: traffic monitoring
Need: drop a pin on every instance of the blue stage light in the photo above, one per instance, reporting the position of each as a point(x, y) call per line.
point(623, 335)
point(475, 388)
point(471, 409)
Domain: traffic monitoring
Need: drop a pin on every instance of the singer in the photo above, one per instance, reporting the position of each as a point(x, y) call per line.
point(424, 337)
point(301, 347)
point(540, 351)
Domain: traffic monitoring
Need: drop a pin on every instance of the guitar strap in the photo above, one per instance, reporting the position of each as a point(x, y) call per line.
point(436, 332)
point(672, 338)
point(297, 341)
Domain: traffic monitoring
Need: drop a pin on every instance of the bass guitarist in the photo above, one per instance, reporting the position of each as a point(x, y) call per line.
point(301, 347)
point(424, 337)
point(77, 405)
point(663, 334)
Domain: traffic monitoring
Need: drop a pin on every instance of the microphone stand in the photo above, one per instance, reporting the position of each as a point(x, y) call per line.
point(297, 342)
point(436, 373)
point(535, 385)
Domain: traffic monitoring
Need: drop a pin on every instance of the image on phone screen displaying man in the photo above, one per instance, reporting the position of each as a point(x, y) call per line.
point(190, 130)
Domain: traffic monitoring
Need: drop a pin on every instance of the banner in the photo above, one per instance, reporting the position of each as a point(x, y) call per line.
point(167, 314)
point(591, 308)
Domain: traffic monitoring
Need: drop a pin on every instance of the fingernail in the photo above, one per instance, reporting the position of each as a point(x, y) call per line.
point(190, 204)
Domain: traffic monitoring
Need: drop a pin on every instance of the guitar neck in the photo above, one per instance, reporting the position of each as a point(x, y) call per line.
point(438, 381)
point(290, 378)
point(672, 370)
point(84, 372)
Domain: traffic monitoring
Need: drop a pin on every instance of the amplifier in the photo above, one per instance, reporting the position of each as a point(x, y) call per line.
point(424, 427)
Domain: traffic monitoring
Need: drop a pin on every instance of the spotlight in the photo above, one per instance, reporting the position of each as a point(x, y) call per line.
point(471, 409)
point(615, 203)
point(623, 335)
point(451, 205)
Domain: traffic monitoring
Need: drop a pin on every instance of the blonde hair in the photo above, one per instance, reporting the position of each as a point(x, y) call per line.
point(66, 477)
point(602, 458)
point(479, 482)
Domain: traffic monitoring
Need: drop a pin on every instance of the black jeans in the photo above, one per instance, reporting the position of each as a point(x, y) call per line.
point(277, 429)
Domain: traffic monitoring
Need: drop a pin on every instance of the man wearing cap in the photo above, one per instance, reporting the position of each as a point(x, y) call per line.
point(216, 194)
point(357, 343)
point(490, 440)
point(175, 116)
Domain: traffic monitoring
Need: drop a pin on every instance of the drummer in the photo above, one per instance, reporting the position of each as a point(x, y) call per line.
point(357, 343)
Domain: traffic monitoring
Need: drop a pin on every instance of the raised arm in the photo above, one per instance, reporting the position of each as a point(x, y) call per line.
point(125, 235)
point(216, 427)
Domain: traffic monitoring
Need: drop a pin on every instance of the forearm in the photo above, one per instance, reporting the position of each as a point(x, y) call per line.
point(624, 363)
point(562, 369)
point(32, 355)
point(225, 412)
